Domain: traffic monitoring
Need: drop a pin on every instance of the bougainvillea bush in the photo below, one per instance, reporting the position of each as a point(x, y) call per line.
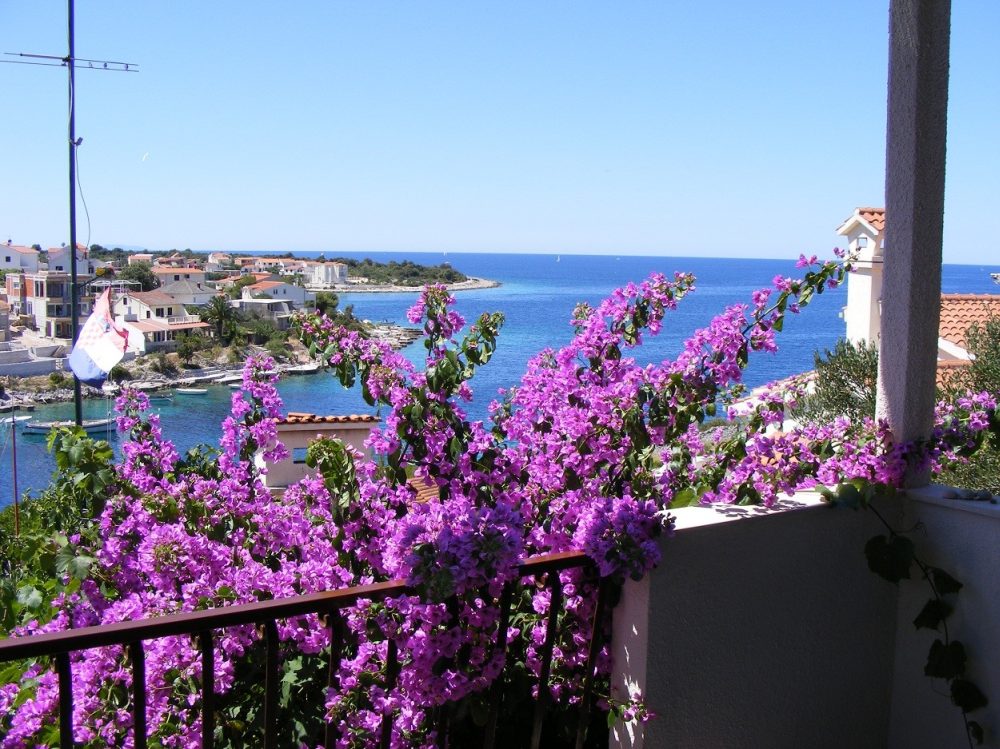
point(588, 452)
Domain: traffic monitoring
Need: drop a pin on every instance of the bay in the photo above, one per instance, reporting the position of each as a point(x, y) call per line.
point(537, 296)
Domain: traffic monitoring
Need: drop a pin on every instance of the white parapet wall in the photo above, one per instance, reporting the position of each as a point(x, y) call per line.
point(963, 538)
point(760, 629)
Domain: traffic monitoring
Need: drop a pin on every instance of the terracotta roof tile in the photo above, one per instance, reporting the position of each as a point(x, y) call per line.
point(959, 312)
point(948, 371)
point(151, 298)
point(425, 492)
point(297, 417)
point(874, 216)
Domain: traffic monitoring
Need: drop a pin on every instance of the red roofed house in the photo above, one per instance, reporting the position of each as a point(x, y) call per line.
point(167, 275)
point(19, 258)
point(297, 430)
point(296, 296)
point(157, 317)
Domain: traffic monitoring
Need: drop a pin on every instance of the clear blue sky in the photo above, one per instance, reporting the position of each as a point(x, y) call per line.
point(728, 129)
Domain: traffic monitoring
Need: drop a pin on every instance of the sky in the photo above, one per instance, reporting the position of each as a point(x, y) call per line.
point(725, 129)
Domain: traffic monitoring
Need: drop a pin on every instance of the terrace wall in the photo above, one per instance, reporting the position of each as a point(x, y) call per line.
point(760, 629)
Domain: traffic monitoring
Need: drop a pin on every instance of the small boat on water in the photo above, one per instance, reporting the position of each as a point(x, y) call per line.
point(8, 419)
point(303, 369)
point(166, 397)
point(191, 391)
point(236, 385)
point(995, 277)
point(90, 426)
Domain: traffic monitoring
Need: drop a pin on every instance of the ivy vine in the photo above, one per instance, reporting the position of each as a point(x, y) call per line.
point(892, 556)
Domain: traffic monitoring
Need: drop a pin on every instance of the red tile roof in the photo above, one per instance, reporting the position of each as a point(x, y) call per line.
point(297, 417)
point(959, 312)
point(151, 298)
point(21, 248)
point(874, 216)
point(949, 371)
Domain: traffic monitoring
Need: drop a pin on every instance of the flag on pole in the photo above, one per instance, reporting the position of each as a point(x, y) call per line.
point(100, 346)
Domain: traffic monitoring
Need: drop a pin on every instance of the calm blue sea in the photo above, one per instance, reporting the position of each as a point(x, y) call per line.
point(538, 295)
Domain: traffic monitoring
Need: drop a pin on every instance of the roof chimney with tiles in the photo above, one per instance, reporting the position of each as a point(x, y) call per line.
point(865, 232)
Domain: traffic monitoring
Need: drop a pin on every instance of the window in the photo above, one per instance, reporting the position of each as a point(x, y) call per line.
point(299, 455)
point(7, 259)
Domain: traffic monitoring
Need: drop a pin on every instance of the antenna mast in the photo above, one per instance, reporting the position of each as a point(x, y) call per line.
point(70, 61)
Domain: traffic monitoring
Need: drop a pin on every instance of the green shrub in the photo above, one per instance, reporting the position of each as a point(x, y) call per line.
point(57, 379)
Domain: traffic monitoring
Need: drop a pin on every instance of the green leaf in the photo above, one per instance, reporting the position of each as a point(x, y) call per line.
point(29, 596)
point(944, 582)
point(967, 696)
point(890, 558)
point(975, 731)
point(684, 498)
point(933, 613)
point(945, 661)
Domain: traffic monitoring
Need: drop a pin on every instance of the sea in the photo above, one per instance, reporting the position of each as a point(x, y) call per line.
point(537, 295)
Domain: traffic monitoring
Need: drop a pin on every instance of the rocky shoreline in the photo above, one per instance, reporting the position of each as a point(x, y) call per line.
point(26, 393)
point(470, 285)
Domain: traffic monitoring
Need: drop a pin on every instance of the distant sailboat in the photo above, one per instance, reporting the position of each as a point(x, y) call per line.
point(558, 258)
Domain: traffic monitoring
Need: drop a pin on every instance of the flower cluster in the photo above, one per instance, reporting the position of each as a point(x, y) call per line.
point(588, 452)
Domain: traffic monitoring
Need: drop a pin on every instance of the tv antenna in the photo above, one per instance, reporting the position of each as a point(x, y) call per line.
point(71, 62)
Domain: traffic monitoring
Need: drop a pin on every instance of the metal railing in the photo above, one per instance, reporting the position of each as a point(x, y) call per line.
point(329, 604)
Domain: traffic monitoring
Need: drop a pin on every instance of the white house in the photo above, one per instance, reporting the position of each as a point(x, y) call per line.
point(167, 275)
point(326, 275)
point(18, 258)
point(59, 261)
point(865, 232)
point(296, 296)
point(186, 292)
point(157, 317)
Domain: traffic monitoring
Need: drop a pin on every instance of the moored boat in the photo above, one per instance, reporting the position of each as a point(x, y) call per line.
point(303, 369)
point(90, 426)
point(191, 391)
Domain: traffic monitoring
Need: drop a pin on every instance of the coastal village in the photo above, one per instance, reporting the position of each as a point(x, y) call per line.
point(171, 305)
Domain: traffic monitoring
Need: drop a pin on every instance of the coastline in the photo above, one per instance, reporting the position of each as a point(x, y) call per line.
point(472, 284)
point(28, 399)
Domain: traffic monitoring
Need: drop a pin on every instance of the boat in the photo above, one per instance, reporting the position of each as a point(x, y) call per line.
point(5, 419)
point(236, 385)
point(88, 425)
point(165, 397)
point(995, 277)
point(303, 369)
point(191, 391)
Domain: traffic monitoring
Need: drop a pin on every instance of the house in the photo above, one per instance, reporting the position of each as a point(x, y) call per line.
point(865, 232)
point(297, 430)
point(186, 292)
point(296, 296)
point(327, 275)
point(17, 257)
point(46, 297)
point(140, 257)
point(166, 275)
point(4, 322)
point(157, 317)
point(275, 310)
point(217, 261)
point(59, 260)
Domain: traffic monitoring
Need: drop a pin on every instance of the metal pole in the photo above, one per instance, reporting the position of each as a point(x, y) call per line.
point(74, 295)
point(13, 459)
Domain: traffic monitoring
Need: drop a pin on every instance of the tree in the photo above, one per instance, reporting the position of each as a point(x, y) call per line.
point(187, 347)
point(845, 382)
point(236, 291)
point(220, 313)
point(326, 302)
point(141, 272)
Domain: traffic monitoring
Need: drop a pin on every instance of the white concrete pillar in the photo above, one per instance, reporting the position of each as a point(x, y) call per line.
point(915, 167)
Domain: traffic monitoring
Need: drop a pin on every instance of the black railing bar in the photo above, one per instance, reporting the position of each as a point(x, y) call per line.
point(499, 648)
point(138, 658)
point(272, 681)
point(542, 703)
point(65, 700)
point(335, 623)
point(257, 612)
point(391, 673)
point(207, 690)
point(603, 592)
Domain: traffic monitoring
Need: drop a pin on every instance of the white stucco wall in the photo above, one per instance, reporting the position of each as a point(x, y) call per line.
point(297, 436)
point(764, 631)
point(962, 537)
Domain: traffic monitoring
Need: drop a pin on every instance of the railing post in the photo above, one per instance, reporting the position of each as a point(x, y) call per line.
point(65, 700)
point(542, 704)
point(271, 685)
point(207, 690)
point(138, 658)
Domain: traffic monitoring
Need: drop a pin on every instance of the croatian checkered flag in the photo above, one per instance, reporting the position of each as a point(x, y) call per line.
point(101, 344)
